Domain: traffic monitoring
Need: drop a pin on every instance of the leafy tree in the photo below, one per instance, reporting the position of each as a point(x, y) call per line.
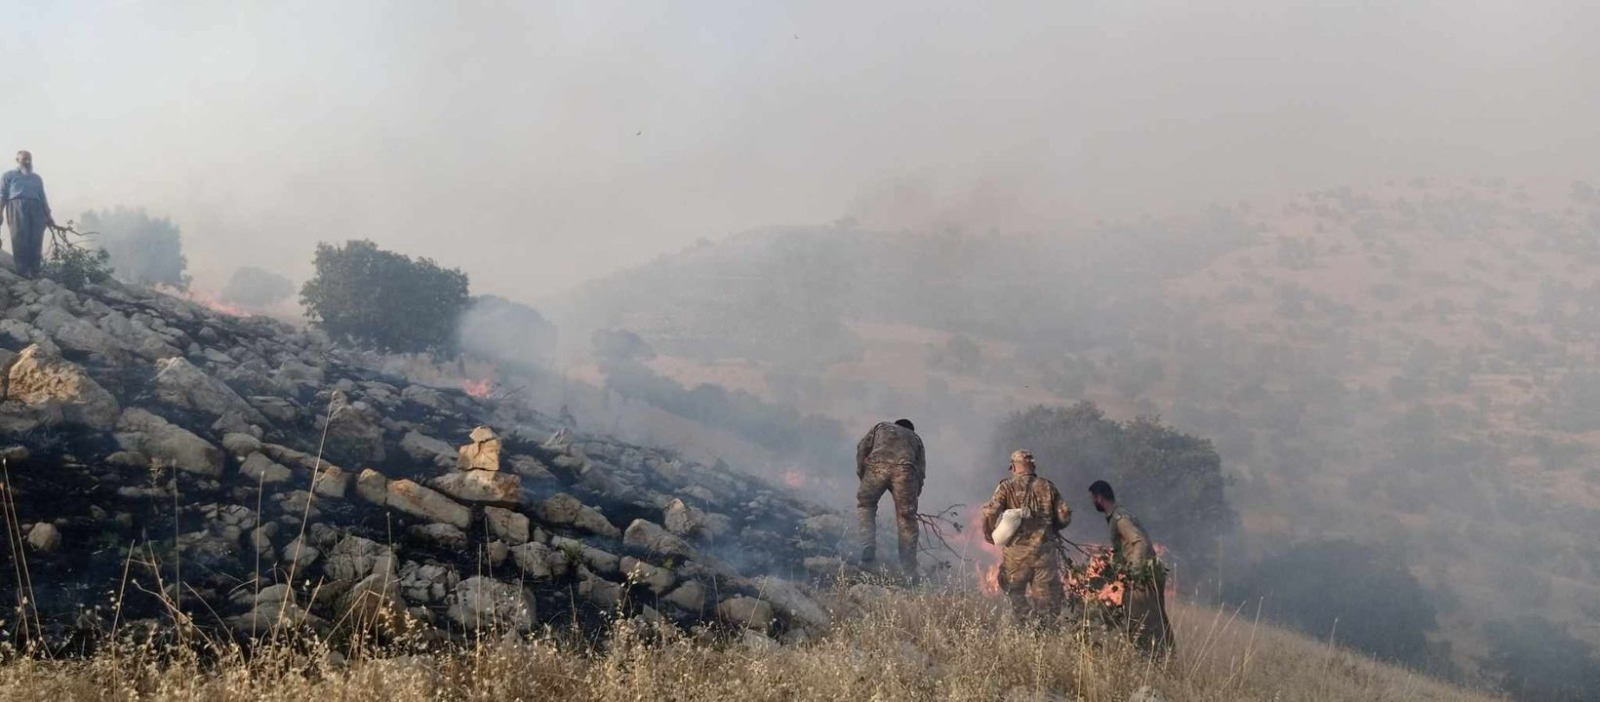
point(256, 287)
point(1174, 480)
point(144, 250)
point(1357, 594)
point(390, 301)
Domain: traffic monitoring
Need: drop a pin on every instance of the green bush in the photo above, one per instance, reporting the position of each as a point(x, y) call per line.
point(364, 294)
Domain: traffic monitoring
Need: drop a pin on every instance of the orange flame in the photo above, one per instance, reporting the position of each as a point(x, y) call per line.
point(794, 478)
point(988, 579)
point(206, 299)
point(478, 387)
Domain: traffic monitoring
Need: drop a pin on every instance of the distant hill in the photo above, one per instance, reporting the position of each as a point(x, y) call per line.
point(1415, 364)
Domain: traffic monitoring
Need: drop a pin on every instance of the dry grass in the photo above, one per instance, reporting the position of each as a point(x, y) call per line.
point(902, 647)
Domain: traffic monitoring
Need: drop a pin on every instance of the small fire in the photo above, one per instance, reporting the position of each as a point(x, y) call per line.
point(206, 299)
point(477, 387)
point(988, 579)
point(794, 478)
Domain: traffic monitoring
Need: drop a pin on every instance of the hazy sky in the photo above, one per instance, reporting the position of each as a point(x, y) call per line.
point(538, 144)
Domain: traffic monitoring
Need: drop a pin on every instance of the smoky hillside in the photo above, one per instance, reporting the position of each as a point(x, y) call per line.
point(1408, 366)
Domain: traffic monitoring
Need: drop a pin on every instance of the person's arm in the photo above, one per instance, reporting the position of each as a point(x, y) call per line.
point(863, 449)
point(1062, 514)
point(991, 512)
point(5, 187)
point(45, 202)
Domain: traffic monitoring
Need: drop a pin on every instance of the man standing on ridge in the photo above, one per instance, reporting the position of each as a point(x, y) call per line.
point(1145, 601)
point(890, 458)
point(1029, 560)
point(23, 204)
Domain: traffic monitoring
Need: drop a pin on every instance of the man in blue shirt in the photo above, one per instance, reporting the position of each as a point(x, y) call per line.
point(23, 204)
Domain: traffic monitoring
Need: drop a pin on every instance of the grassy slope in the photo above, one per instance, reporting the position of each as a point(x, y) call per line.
point(889, 647)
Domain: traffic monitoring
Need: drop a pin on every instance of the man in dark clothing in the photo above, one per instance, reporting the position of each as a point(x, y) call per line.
point(24, 205)
point(1146, 601)
point(890, 458)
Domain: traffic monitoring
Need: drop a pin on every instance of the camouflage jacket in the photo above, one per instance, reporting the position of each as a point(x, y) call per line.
point(889, 444)
point(1047, 513)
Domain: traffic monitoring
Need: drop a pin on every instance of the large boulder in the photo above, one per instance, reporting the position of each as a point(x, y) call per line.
point(649, 538)
point(74, 334)
point(353, 433)
point(355, 557)
point(426, 449)
point(38, 379)
point(562, 509)
point(540, 562)
point(747, 612)
point(373, 487)
point(182, 384)
point(481, 603)
point(167, 444)
point(793, 603)
point(507, 524)
point(263, 470)
point(483, 453)
point(418, 501)
point(480, 487)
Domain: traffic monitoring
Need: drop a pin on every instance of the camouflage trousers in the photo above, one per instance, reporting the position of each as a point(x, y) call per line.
point(1030, 576)
point(1147, 625)
point(904, 483)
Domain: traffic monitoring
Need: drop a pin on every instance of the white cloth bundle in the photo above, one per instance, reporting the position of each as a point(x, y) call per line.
point(1010, 521)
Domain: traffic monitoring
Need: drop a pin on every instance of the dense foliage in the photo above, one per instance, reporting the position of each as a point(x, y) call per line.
point(383, 299)
point(143, 250)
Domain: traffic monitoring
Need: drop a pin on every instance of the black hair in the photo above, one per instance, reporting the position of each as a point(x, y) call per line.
point(905, 423)
point(1102, 488)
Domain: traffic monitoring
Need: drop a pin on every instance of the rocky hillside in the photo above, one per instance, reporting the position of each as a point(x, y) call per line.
point(164, 460)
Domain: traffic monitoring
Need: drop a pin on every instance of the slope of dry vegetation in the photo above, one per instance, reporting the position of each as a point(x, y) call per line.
point(946, 645)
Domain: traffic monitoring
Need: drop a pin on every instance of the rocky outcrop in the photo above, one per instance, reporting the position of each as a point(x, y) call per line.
point(43, 382)
point(308, 486)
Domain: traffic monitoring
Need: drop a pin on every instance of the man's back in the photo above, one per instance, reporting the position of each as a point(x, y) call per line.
point(891, 444)
point(1047, 512)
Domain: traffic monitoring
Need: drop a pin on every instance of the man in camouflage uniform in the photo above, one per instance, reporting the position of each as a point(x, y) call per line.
point(1031, 561)
point(1145, 601)
point(890, 458)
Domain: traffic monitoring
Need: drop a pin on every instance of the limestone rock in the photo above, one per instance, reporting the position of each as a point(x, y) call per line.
point(654, 577)
point(747, 612)
point(426, 449)
point(540, 562)
point(443, 535)
point(425, 396)
point(300, 555)
point(603, 562)
point(508, 525)
point(373, 487)
point(353, 432)
point(562, 509)
point(420, 502)
point(167, 444)
point(181, 384)
point(37, 378)
point(483, 453)
point(481, 602)
point(44, 537)
point(537, 475)
point(793, 603)
point(374, 601)
point(689, 597)
point(355, 557)
point(262, 469)
point(332, 482)
point(240, 444)
point(74, 334)
point(603, 593)
point(427, 584)
point(480, 487)
point(650, 538)
point(683, 520)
